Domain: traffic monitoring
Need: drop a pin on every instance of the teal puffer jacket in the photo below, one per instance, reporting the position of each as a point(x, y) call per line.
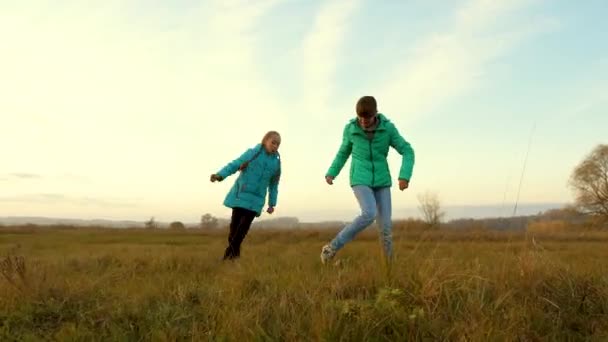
point(369, 164)
point(260, 178)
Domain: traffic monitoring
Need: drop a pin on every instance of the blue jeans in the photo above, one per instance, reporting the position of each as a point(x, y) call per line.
point(375, 203)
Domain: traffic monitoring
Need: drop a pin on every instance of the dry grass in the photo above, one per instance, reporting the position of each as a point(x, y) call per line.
point(102, 284)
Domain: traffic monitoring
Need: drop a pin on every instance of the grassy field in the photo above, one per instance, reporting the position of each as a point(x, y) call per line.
point(103, 284)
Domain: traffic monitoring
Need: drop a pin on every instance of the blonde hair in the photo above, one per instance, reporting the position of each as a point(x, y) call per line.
point(270, 134)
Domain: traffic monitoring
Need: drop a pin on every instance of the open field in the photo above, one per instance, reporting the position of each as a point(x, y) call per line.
point(111, 284)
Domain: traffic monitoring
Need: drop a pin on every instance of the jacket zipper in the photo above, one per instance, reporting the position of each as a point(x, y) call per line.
point(371, 157)
point(265, 167)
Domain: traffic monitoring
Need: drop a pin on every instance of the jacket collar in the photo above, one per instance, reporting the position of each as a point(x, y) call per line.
point(356, 129)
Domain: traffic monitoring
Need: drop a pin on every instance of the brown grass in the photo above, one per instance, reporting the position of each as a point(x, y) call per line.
point(476, 285)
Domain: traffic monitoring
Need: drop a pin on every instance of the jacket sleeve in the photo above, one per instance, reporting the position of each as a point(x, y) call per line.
point(233, 166)
point(343, 153)
point(405, 149)
point(273, 192)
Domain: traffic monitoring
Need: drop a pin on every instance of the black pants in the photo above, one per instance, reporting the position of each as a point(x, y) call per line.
point(239, 226)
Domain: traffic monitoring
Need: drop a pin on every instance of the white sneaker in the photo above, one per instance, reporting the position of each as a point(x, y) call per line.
point(327, 253)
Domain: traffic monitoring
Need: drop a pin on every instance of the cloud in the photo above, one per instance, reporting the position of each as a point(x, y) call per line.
point(594, 99)
point(54, 198)
point(20, 176)
point(321, 50)
point(451, 63)
point(589, 94)
point(582, 96)
point(23, 175)
point(154, 88)
point(64, 177)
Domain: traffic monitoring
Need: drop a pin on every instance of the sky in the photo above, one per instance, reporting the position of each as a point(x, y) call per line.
point(121, 109)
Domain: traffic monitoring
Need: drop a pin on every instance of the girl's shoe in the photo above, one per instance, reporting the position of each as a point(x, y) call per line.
point(327, 253)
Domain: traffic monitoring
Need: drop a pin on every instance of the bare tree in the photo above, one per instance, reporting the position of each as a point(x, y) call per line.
point(430, 206)
point(208, 221)
point(589, 180)
point(151, 223)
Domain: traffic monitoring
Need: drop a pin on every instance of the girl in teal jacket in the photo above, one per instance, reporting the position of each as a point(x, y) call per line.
point(260, 169)
point(368, 138)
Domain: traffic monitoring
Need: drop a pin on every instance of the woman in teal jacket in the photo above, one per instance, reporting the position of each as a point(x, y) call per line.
point(368, 138)
point(260, 168)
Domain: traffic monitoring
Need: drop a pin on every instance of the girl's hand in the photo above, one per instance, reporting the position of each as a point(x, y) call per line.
point(270, 210)
point(215, 178)
point(403, 184)
point(329, 180)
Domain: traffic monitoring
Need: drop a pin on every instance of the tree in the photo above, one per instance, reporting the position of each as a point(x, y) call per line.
point(177, 225)
point(589, 181)
point(567, 213)
point(151, 223)
point(208, 221)
point(431, 209)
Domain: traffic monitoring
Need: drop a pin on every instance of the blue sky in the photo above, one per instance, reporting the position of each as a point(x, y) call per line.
point(122, 109)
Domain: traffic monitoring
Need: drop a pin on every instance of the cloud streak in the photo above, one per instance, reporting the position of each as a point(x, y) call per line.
point(64, 177)
point(451, 63)
point(23, 175)
point(589, 94)
point(59, 199)
point(321, 51)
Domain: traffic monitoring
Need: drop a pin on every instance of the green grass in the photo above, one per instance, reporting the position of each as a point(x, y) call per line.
point(102, 284)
